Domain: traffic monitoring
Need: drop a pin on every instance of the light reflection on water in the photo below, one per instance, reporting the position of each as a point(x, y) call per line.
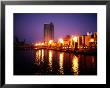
point(61, 57)
point(39, 56)
point(50, 60)
point(75, 65)
point(56, 62)
point(42, 59)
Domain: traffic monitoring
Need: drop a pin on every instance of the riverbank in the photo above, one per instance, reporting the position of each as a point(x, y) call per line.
point(91, 51)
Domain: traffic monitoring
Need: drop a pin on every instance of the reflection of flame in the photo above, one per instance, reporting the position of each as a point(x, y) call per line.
point(61, 63)
point(50, 60)
point(75, 65)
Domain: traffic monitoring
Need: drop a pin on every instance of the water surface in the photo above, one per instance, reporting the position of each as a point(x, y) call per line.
point(50, 62)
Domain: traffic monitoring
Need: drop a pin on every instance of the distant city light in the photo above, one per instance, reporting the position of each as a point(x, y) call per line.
point(42, 43)
point(75, 39)
point(69, 43)
point(36, 44)
point(61, 40)
point(50, 41)
point(91, 40)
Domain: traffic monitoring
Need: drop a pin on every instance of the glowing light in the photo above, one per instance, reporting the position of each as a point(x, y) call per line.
point(38, 54)
point(91, 40)
point(61, 40)
point(42, 43)
point(75, 65)
point(42, 55)
point(75, 39)
point(36, 44)
point(50, 41)
point(61, 63)
point(50, 60)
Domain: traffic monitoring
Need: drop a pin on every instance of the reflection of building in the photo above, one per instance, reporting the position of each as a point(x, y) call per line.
point(48, 32)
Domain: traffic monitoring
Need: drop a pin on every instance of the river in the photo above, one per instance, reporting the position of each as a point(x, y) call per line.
point(50, 62)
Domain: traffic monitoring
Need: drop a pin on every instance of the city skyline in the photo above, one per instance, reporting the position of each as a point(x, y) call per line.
point(30, 26)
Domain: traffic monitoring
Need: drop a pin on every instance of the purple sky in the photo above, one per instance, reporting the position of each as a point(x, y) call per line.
point(30, 26)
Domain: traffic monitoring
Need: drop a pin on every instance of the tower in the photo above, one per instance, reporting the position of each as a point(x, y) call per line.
point(48, 32)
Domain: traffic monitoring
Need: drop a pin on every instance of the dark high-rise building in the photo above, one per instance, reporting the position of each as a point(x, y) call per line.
point(48, 32)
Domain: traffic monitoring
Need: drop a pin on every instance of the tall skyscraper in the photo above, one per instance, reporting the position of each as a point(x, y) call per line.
point(48, 32)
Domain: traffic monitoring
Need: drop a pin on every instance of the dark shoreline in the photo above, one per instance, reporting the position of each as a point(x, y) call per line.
point(78, 51)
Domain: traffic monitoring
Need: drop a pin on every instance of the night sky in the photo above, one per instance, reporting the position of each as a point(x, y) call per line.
point(30, 26)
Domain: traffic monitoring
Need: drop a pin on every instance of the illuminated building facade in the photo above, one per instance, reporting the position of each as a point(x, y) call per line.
point(83, 41)
point(67, 40)
point(95, 37)
point(87, 38)
point(48, 32)
point(80, 43)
